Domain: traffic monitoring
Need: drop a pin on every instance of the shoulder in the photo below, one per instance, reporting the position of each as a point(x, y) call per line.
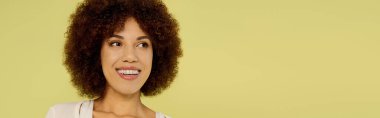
point(63, 110)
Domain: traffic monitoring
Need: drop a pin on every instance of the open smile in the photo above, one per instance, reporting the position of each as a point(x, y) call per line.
point(128, 73)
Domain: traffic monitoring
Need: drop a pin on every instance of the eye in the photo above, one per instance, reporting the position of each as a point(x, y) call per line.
point(144, 45)
point(112, 44)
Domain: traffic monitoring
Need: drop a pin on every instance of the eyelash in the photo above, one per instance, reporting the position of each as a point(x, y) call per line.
point(112, 44)
point(144, 45)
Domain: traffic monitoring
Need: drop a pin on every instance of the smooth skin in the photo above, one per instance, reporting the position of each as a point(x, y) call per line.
point(129, 47)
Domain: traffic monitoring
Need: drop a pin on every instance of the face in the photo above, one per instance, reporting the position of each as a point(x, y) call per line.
point(126, 59)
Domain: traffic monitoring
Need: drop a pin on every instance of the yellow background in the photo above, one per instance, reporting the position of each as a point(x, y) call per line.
point(242, 58)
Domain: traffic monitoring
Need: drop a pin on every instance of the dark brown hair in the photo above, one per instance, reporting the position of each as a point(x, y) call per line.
point(96, 20)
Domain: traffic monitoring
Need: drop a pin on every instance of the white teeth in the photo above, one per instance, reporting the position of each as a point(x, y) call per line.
point(128, 72)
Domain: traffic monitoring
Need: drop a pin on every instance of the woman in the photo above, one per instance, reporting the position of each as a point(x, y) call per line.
point(116, 51)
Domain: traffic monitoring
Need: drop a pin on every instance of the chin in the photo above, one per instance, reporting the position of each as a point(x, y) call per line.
point(129, 91)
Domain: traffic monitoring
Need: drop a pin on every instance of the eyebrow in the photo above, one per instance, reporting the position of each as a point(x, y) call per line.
point(138, 38)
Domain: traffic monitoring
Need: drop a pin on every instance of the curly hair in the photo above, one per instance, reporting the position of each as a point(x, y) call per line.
point(96, 20)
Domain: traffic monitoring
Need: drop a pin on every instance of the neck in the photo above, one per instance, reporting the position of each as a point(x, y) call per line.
point(119, 104)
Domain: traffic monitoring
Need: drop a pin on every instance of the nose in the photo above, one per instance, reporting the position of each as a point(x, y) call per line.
point(129, 55)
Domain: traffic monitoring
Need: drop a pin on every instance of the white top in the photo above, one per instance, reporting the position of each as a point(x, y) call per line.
point(79, 110)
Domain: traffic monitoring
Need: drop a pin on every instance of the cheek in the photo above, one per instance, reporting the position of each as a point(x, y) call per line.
point(108, 57)
point(146, 57)
point(149, 58)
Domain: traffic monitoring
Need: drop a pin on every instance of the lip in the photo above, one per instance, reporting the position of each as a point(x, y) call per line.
point(128, 77)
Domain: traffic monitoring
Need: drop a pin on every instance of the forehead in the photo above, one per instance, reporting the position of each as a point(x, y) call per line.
point(130, 31)
point(131, 28)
